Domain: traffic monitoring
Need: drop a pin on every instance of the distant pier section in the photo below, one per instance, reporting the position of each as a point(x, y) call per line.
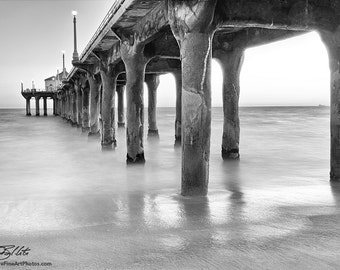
point(37, 94)
point(52, 91)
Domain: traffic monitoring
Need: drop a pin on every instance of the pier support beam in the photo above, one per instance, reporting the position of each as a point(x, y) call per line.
point(132, 54)
point(108, 132)
point(37, 107)
point(332, 42)
point(178, 120)
point(120, 97)
point(85, 109)
point(94, 105)
point(152, 81)
point(231, 63)
point(45, 106)
point(28, 106)
point(191, 24)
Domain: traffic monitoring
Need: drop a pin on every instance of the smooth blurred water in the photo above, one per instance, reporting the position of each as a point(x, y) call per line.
point(54, 181)
point(45, 156)
point(288, 144)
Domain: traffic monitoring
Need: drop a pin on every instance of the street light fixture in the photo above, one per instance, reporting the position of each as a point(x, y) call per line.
point(75, 53)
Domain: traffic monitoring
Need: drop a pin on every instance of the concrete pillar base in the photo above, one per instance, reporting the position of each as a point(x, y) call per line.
point(138, 160)
point(153, 133)
point(230, 154)
point(121, 125)
point(334, 179)
point(85, 130)
point(107, 146)
point(94, 134)
point(178, 141)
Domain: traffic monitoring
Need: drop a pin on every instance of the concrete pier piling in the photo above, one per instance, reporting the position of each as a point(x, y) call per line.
point(332, 42)
point(45, 106)
point(54, 105)
point(108, 133)
point(28, 106)
point(37, 107)
point(74, 107)
point(120, 105)
point(67, 105)
point(152, 81)
point(194, 33)
point(178, 119)
point(135, 62)
point(94, 105)
point(79, 103)
point(85, 109)
point(231, 63)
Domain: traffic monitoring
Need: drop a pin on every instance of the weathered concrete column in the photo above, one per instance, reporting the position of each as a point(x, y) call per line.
point(66, 108)
point(178, 120)
point(191, 23)
point(45, 106)
point(79, 103)
point(85, 110)
point(54, 105)
point(135, 62)
point(120, 105)
point(332, 42)
point(152, 81)
point(37, 107)
point(108, 133)
point(231, 63)
point(69, 106)
point(59, 103)
point(63, 102)
point(28, 106)
point(94, 105)
point(74, 107)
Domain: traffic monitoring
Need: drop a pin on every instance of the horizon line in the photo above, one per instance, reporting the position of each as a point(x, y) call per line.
point(242, 106)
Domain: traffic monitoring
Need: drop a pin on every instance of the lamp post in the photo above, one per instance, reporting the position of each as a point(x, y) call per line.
point(64, 70)
point(75, 53)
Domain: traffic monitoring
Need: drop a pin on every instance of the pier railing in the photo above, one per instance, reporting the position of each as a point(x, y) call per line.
point(35, 90)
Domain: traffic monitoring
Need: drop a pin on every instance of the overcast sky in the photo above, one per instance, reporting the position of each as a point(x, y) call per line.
point(33, 34)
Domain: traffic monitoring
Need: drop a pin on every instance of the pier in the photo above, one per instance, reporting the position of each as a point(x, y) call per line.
point(139, 40)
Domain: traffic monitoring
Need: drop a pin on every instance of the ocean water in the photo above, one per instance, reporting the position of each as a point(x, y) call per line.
point(288, 144)
point(57, 185)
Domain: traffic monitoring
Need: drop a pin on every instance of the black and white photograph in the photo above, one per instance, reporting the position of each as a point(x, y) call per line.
point(170, 134)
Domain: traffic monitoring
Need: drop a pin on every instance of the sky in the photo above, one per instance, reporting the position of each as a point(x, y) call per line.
point(33, 33)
